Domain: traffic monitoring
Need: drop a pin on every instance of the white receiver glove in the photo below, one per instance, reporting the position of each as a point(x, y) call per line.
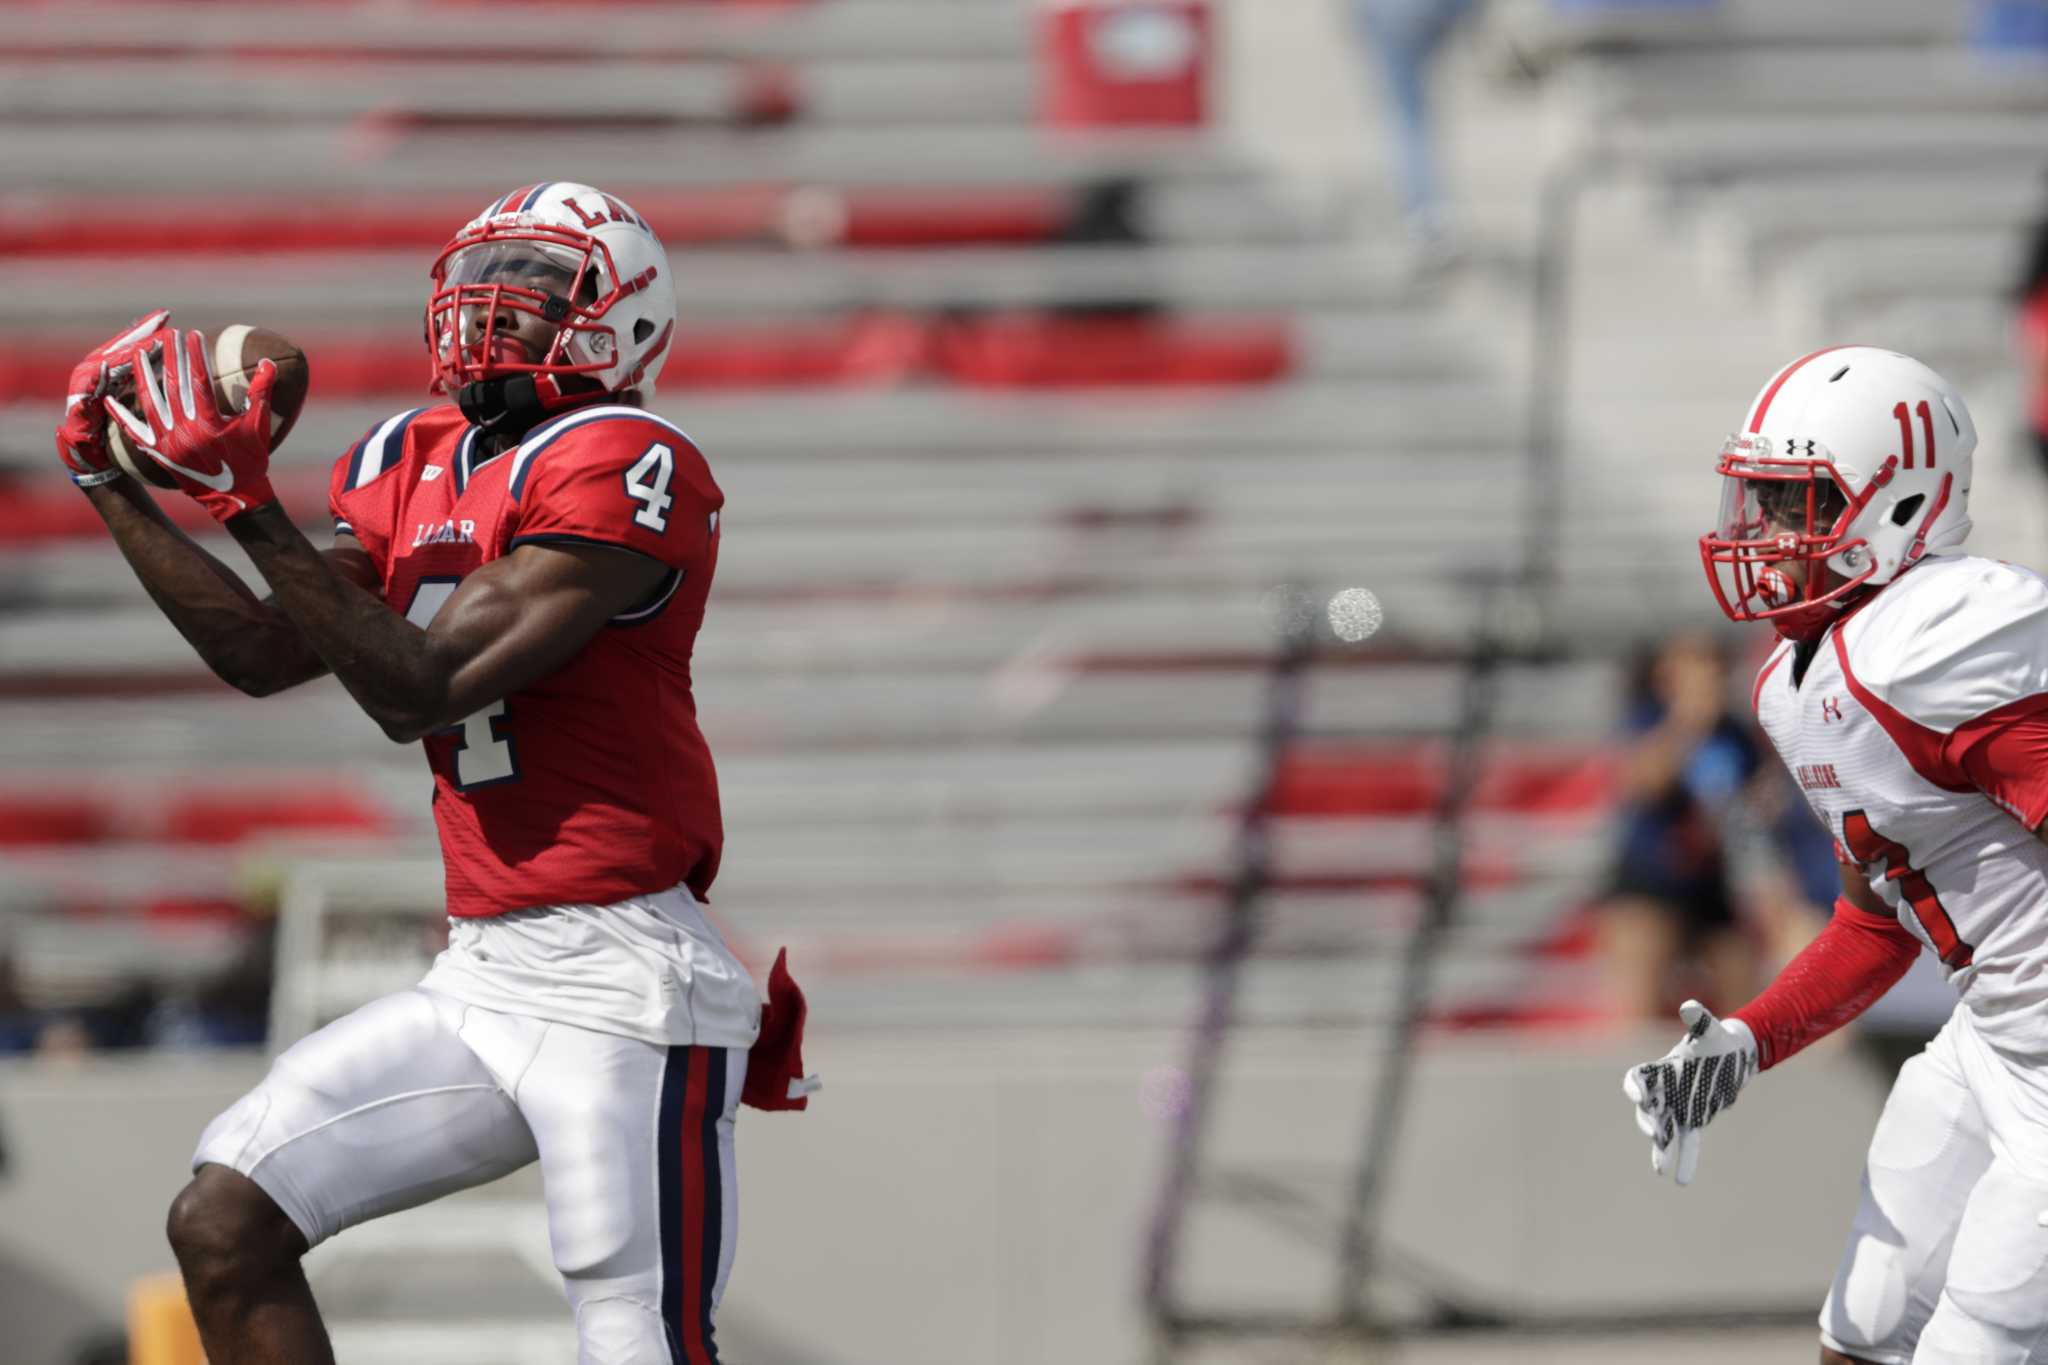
point(1677, 1095)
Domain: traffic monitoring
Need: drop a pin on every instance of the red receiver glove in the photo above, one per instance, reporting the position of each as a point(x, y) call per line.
point(221, 460)
point(82, 435)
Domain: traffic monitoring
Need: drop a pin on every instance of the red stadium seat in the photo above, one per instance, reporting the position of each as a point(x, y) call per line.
point(36, 511)
point(191, 909)
point(46, 819)
point(1356, 781)
point(1038, 351)
point(188, 813)
point(227, 817)
point(880, 350)
point(1032, 351)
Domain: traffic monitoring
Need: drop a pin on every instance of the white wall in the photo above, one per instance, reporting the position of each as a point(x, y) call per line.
point(981, 1199)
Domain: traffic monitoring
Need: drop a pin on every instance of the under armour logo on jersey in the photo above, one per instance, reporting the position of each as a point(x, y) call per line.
point(1830, 709)
point(430, 473)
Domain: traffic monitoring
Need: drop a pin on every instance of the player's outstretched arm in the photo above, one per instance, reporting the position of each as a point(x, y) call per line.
point(249, 642)
point(510, 624)
point(1861, 953)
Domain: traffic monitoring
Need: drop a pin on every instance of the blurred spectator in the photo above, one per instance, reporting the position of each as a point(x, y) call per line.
point(1107, 211)
point(109, 1348)
point(119, 1019)
point(1406, 36)
point(63, 1039)
point(2032, 297)
point(18, 1025)
point(1788, 887)
point(14, 1034)
point(1111, 213)
point(2011, 28)
point(1669, 914)
point(230, 1008)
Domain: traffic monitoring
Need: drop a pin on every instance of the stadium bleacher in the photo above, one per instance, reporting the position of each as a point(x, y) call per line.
point(941, 559)
point(1872, 181)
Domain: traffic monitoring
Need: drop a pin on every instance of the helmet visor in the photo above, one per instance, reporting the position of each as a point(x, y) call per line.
point(510, 302)
point(1781, 519)
point(542, 267)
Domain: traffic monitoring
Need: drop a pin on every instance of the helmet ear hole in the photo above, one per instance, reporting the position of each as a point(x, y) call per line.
point(1907, 509)
point(642, 330)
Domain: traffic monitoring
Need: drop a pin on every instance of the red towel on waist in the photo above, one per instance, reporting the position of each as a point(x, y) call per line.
point(775, 1064)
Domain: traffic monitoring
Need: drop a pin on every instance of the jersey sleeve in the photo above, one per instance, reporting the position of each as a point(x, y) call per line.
point(2005, 756)
point(1856, 959)
point(633, 482)
point(337, 484)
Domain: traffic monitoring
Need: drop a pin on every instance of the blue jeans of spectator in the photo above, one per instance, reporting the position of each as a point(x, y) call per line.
point(1406, 35)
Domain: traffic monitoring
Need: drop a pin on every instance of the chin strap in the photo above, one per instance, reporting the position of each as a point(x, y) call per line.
point(510, 407)
point(1804, 627)
point(1919, 545)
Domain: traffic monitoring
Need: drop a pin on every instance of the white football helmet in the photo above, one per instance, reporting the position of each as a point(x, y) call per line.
point(574, 257)
point(1854, 462)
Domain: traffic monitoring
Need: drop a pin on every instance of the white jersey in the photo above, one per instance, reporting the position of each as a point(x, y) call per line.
point(1870, 732)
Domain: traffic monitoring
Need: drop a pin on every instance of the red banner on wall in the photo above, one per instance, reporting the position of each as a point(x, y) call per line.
point(1126, 62)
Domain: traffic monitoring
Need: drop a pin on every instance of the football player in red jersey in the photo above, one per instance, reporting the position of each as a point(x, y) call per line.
point(517, 579)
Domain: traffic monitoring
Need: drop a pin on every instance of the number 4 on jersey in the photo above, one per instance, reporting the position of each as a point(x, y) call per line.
point(1867, 846)
point(647, 484)
point(484, 753)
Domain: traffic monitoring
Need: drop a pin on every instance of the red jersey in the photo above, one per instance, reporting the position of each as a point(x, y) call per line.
point(593, 784)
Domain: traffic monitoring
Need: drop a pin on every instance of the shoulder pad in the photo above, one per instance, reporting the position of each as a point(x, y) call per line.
point(1956, 637)
point(381, 450)
point(613, 430)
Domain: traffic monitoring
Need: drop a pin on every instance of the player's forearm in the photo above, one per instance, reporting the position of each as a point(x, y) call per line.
point(249, 643)
point(387, 664)
point(1843, 972)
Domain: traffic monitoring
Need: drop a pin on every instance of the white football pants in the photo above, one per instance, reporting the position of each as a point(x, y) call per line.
point(418, 1095)
point(1947, 1261)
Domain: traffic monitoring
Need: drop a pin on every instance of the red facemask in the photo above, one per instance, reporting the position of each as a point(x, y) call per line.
point(1782, 519)
point(536, 284)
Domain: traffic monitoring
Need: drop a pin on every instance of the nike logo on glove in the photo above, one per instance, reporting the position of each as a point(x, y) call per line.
point(223, 482)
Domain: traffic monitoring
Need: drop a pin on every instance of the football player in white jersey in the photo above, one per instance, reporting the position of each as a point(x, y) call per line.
point(1909, 697)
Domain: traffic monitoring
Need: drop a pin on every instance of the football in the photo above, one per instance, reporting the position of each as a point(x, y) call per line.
point(235, 355)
